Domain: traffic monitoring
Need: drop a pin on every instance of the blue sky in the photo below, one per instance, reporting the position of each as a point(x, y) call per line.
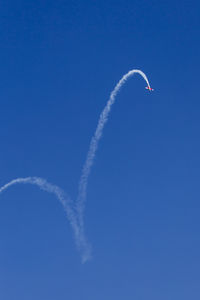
point(59, 62)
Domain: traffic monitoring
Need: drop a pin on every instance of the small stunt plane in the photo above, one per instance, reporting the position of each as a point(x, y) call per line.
point(149, 88)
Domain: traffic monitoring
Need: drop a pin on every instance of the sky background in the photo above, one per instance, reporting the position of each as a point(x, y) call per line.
point(59, 62)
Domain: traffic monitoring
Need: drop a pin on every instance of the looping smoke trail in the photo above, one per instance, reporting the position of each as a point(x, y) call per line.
point(80, 239)
point(94, 143)
point(75, 216)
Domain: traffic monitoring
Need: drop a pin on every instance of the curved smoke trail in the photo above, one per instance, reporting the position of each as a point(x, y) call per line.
point(75, 215)
point(80, 239)
point(94, 144)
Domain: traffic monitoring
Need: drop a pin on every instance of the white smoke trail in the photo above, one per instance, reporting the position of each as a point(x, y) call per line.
point(75, 215)
point(80, 239)
point(94, 144)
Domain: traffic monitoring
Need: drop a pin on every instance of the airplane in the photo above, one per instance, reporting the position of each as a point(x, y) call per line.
point(149, 88)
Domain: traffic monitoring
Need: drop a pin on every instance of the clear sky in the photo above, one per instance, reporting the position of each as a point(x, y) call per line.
point(59, 61)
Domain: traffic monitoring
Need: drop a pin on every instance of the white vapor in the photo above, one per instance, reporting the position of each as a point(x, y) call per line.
point(94, 144)
point(75, 214)
point(66, 203)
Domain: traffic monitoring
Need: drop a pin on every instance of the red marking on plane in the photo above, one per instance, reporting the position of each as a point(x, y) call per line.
point(149, 88)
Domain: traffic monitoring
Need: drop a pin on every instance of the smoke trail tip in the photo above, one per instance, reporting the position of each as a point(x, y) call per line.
point(87, 255)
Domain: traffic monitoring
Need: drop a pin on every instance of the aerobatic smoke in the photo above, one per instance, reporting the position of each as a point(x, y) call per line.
point(94, 143)
point(75, 214)
point(80, 239)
